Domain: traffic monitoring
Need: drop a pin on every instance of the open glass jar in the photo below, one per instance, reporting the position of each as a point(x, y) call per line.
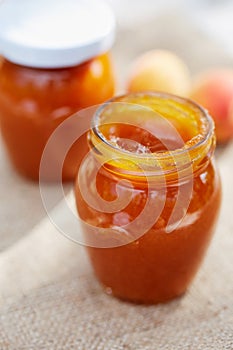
point(51, 69)
point(148, 195)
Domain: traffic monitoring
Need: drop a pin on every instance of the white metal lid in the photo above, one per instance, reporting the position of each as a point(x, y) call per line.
point(54, 33)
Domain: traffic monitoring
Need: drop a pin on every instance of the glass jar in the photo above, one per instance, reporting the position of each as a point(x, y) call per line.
point(33, 102)
point(148, 195)
point(44, 79)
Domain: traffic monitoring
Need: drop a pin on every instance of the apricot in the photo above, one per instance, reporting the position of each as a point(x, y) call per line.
point(214, 91)
point(159, 70)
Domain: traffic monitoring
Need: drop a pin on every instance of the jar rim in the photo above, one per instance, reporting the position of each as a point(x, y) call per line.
point(191, 145)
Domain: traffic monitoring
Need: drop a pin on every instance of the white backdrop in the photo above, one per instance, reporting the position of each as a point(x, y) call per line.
point(214, 17)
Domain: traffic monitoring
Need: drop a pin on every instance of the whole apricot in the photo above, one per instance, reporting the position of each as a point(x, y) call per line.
point(214, 91)
point(159, 70)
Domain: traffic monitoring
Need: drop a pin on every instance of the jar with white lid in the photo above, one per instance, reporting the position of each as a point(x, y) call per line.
point(55, 62)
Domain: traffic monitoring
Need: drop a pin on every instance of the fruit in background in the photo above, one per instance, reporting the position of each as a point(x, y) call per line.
point(230, 117)
point(159, 70)
point(214, 91)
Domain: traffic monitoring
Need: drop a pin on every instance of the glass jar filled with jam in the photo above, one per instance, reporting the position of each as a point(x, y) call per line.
point(148, 195)
point(55, 62)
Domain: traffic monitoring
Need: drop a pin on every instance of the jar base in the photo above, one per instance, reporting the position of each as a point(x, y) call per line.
point(144, 301)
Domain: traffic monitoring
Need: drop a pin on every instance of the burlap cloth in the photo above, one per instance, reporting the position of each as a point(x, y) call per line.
point(49, 298)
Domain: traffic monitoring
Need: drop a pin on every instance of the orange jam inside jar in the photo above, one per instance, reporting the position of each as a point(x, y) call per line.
point(44, 79)
point(148, 195)
point(34, 102)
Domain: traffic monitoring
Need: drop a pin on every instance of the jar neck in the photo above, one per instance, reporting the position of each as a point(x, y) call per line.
point(170, 115)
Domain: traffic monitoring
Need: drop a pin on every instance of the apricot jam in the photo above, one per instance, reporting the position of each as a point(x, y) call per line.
point(33, 102)
point(148, 195)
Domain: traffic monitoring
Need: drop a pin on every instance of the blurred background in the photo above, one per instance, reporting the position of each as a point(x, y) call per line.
point(200, 31)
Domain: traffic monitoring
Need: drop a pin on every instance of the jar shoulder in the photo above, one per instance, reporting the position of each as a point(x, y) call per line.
point(202, 197)
point(18, 76)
